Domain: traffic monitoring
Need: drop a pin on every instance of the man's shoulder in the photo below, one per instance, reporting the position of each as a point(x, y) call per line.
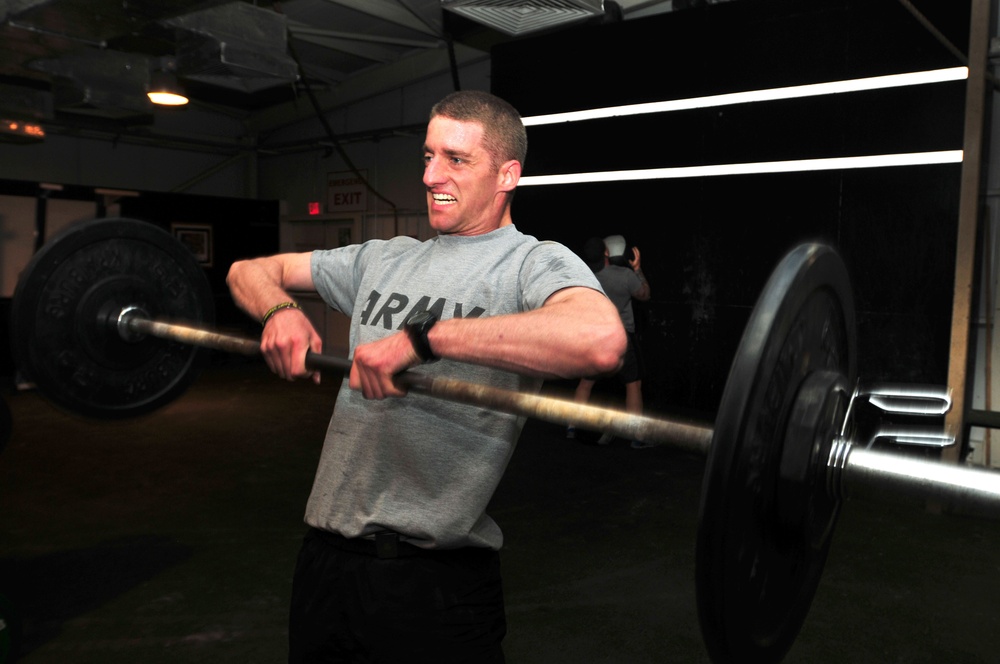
point(394, 246)
point(617, 271)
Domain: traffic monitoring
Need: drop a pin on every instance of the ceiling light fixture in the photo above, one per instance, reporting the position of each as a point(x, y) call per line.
point(791, 166)
point(164, 90)
point(773, 94)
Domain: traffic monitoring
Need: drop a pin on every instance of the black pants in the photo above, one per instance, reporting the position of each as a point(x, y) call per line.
point(349, 605)
point(631, 370)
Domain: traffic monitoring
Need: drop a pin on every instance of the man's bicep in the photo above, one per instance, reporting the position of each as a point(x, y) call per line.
point(296, 271)
point(581, 296)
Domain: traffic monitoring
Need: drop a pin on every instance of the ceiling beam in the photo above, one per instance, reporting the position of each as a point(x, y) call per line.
point(298, 28)
point(406, 71)
point(387, 11)
point(371, 52)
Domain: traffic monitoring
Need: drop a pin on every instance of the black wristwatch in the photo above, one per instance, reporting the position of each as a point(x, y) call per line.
point(417, 327)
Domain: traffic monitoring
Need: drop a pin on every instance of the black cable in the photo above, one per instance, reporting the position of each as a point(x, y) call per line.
point(453, 63)
point(333, 136)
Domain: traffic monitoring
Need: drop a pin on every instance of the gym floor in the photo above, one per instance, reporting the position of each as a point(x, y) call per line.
point(172, 538)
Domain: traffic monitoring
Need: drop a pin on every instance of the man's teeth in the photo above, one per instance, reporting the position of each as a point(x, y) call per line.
point(443, 198)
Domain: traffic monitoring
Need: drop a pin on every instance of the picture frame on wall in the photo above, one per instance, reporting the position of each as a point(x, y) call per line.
point(197, 238)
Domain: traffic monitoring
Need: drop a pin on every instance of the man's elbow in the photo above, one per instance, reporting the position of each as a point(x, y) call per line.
point(241, 273)
point(608, 354)
point(231, 275)
point(234, 272)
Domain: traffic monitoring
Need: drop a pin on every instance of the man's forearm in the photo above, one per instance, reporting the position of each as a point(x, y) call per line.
point(256, 287)
point(259, 284)
point(574, 336)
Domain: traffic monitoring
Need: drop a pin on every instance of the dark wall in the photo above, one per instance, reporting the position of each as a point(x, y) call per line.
point(709, 244)
point(240, 228)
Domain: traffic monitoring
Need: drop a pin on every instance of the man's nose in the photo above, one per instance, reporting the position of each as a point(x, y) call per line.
point(431, 172)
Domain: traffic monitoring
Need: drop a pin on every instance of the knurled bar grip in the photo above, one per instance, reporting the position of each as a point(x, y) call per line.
point(688, 436)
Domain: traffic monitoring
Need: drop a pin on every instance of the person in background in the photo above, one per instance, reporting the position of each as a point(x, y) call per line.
point(400, 562)
point(623, 281)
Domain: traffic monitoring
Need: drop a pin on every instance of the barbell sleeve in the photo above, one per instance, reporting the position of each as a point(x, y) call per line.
point(875, 472)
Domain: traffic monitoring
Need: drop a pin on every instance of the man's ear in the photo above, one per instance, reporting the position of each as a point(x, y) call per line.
point(510, 174)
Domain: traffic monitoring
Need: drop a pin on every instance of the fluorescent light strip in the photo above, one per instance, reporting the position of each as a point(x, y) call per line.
point(794, 92)
point(795, 166)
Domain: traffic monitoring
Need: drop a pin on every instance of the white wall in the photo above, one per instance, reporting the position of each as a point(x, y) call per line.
point(218, 163)
point(17, 231)
point(392, 164)
point(102, 159)
point(17, 239)
point(214, 164)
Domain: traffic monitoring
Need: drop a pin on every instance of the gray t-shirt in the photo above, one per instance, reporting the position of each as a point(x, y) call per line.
point(620, 284)
point(420, 466)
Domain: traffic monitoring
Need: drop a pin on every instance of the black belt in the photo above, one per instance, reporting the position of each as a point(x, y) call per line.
point(387, 544)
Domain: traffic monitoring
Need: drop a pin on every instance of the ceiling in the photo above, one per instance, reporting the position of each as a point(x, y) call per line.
point(75, 64)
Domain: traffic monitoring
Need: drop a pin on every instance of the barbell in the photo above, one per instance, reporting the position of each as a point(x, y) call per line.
point(111, 319)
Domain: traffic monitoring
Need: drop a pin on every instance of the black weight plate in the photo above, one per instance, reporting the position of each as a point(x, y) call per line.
point(65, 307)
point(755, 577)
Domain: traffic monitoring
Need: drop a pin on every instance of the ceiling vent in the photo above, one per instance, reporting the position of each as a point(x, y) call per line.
point(106, 83)
point(235, 46)
point(521, 17)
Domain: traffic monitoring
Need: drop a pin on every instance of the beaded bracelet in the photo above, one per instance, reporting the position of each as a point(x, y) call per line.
point(276, 308)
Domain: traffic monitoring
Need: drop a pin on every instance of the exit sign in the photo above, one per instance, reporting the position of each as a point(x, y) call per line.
point(346, 192)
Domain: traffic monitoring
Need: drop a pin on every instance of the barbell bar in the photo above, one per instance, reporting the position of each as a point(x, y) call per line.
point(96, 324)
point(850, 466)
point(132, 325)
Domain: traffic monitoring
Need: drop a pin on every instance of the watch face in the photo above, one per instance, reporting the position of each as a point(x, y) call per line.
point(419, 318)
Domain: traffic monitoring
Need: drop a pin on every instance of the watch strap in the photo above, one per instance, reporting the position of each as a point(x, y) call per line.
point(417, 329)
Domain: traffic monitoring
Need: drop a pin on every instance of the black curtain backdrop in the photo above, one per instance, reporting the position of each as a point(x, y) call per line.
point(709, 244)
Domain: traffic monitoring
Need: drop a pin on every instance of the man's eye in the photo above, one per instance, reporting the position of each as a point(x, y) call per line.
point(457, 160)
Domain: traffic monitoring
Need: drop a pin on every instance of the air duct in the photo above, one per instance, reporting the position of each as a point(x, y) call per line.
point(521, 17)
point(236, 46)
point(106, 83)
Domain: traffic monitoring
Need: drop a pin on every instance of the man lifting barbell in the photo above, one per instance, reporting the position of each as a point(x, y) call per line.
point(96, 325)
point(401, 561)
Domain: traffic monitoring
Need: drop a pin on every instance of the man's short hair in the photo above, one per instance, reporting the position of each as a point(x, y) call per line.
point(504, 136)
